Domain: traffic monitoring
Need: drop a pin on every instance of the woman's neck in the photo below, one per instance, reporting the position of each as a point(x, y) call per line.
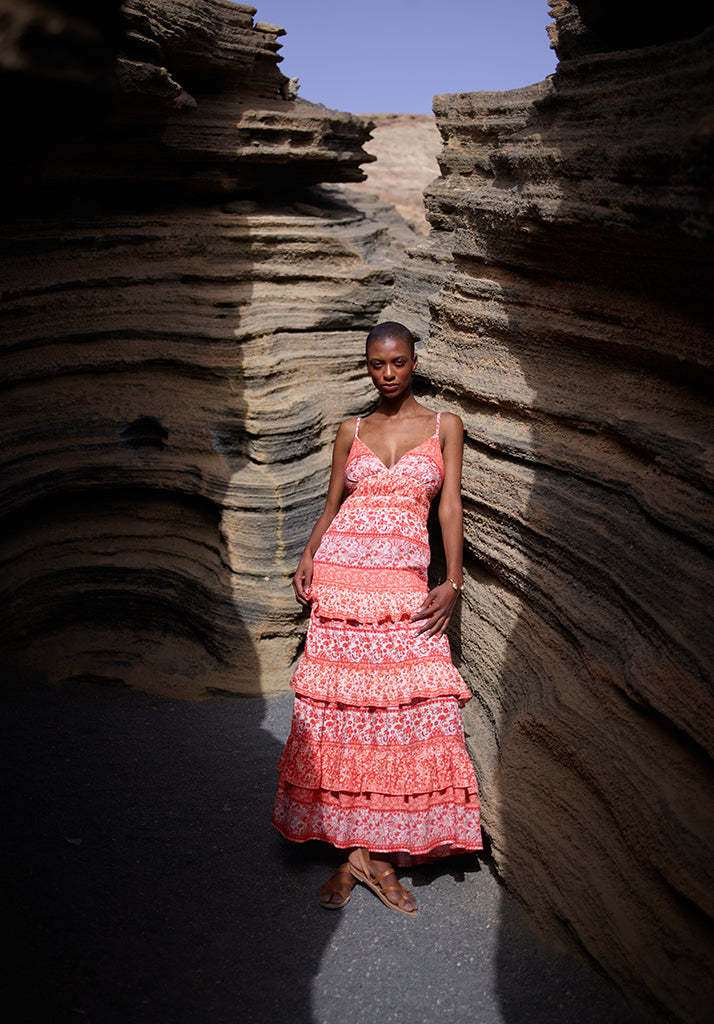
point(391, 407)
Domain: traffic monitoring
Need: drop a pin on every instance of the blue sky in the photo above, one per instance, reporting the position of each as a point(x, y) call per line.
point(395, 55)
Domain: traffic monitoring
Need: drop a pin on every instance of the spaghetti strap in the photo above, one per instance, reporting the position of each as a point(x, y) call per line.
point(438, 421)
point(359, 420)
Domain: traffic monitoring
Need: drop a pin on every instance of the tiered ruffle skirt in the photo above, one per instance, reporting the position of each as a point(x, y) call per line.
point(376, 755)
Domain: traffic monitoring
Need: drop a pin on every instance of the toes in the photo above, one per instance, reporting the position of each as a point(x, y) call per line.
point(401, 897)
point(335, 892)
point(327, 897)
point(408, 904)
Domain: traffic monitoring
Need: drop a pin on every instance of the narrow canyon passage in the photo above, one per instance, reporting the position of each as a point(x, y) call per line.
point(148, 885)
point(191, 260)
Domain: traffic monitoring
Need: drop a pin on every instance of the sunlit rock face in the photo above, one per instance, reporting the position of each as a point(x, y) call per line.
point(564, 304)
point(185, 307)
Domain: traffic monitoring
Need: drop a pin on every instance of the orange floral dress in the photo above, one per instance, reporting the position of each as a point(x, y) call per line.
point(376, 755)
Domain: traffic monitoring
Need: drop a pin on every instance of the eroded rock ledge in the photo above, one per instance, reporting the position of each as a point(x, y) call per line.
point(564, 303)
point(184, 311)
point(158, 96)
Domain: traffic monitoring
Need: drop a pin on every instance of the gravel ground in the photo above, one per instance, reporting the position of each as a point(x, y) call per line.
point(145, 883)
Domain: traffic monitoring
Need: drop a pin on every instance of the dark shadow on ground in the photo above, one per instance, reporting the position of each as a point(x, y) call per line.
point(145, 881)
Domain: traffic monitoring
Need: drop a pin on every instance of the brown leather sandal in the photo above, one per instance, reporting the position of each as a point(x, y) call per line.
point(340, 884)
point(374, 882)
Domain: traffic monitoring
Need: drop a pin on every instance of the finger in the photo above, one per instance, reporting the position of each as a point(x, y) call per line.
point(302, 580)
point(432, 611)
point(436, 626)
point(421, 613)
point(445, 625)
point(429, 627)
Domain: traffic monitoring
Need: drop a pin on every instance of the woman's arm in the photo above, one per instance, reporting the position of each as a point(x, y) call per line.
point(440, 602)
point(335, 493)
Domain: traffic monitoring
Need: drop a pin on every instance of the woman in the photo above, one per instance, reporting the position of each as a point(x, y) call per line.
point(376, 762)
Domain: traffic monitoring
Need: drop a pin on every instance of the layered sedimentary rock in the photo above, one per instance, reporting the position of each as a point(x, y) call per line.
point(564, 304)
point(405, 147)
point(184, 306)
point(164, 95)
point(184, 314)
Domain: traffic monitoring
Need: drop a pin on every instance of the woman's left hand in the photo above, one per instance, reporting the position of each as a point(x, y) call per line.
point(437, 609)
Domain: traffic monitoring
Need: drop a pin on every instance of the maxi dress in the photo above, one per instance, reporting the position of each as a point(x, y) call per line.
point(376, 756)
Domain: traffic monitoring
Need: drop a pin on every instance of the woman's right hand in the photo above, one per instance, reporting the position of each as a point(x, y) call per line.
point(303, 578)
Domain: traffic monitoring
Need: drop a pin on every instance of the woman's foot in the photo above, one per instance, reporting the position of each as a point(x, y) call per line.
point(378, 875)
point(337, 890)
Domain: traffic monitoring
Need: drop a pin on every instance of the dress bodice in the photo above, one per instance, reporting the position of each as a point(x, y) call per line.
point(373, 560)
point(418, 474)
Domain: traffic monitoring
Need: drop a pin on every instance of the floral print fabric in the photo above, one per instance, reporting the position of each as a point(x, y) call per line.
point(376, 755)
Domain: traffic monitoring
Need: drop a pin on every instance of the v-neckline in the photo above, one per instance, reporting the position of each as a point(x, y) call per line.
point(394, 464)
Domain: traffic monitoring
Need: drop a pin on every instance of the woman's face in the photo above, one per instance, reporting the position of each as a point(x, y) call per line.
point(390, 364)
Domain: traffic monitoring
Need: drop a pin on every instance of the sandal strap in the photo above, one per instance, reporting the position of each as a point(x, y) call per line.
point(340, 885)
point(392, 888)
point(336, 891)
point(378, 878)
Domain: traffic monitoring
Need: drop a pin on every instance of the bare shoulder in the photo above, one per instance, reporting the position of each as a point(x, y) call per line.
point(346, 433)
point(451, 427)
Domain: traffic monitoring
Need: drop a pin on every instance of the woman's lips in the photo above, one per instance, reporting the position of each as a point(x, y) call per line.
point(389, 387)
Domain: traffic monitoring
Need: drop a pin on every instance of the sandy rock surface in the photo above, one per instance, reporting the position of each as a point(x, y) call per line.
point(406, 147)
point(185, 305)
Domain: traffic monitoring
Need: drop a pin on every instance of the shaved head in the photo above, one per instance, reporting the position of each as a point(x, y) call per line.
point(390, 329)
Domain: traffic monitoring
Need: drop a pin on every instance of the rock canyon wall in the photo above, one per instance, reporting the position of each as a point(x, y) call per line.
point(185, 301)
point(564, 302)
point(183, 329)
